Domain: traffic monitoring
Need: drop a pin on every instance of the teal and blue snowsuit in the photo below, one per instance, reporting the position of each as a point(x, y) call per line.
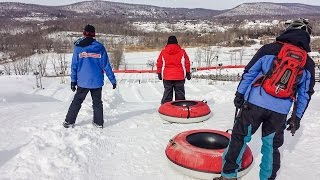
point(262, 108)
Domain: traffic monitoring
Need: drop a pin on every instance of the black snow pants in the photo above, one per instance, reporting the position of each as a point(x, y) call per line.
point(77, 101)
point(250, 118)
point(169, 86)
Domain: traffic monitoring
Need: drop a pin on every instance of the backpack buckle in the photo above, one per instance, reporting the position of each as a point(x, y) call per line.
point(278, 88)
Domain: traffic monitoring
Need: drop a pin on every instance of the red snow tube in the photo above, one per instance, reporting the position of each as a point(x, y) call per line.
point(185, 111)
point(198, 153)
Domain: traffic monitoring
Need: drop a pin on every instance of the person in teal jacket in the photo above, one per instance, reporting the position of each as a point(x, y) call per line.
point(89, 63)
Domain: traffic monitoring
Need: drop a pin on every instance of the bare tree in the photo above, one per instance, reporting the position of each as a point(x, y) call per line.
point(48, 44)
point(54, 65)
point(27, 65)
point(60, 66)
point(63, 67)
point(209, 54)
point(198, 56)
point(16, 67)
point(151, 64)
point(42, 66)
point(117, 56)
point(241, 55)
point(7, 68)
point(22, 67)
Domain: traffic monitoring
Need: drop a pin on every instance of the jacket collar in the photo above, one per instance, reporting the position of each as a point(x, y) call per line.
point(84, 41)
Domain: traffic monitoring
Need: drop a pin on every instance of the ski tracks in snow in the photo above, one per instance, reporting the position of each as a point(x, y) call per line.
point(132, 144)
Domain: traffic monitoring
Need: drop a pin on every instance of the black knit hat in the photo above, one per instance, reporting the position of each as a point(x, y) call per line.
point(172, 40)
point(89, 31)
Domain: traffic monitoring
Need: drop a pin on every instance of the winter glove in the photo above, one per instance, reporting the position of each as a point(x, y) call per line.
point(73, 86)
point(295, 124)
point(188, 75)
point(159, 76)
point(114, 86)
point(238, 100)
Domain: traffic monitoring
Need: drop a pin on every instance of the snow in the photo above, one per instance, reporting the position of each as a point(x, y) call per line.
point(226, 56)
point(15, 30)
point(314, 54)
point(40, 19)
point(181, 26)
point(260, 24)
point(34, 145)
point(104, 38)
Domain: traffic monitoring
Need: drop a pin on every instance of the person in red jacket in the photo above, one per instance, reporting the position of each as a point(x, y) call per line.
point(173, 66)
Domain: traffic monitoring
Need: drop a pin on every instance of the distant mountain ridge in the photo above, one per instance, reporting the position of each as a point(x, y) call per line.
point(137, 11)
point(272, 9)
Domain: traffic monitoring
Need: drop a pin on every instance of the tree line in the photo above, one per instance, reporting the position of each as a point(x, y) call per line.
point(20, 40)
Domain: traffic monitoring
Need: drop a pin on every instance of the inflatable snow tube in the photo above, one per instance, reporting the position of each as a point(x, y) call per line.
point(198, 153)
point(185, 111)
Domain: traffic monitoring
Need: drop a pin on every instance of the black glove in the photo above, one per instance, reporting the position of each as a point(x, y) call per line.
point(114, 86)
point(73, 86)
point(238, 100)
point(188, 75)
point(295, 124)
point(159, 76)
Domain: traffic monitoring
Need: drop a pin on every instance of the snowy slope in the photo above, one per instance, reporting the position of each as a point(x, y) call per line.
point(34, 145)
point(227, 56)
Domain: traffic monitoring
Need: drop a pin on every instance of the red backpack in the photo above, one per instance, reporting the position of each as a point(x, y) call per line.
point(287, 69)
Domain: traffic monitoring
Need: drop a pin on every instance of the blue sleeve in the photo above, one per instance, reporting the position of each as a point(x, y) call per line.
point(74, 66)
point(249, 76)
point(107, 67)
point(305, 90)
point(255, 65)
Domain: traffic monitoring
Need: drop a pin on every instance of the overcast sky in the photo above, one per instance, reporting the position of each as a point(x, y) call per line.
point(209, 4)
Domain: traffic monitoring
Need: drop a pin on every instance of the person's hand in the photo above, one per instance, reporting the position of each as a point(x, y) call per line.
point(188, 75)
point(114, 86)
point(293, 124)
point(238, 100)
point(73, 86)
point(159, 76)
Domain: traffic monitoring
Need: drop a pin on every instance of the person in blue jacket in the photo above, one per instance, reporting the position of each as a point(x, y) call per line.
point(89, 63)
point(258, 107)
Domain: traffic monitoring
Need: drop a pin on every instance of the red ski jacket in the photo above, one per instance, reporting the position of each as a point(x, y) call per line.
point(173, 63)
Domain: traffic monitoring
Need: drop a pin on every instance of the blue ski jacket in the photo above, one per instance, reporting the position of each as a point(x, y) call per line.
point(262, 62)
point(89, 62)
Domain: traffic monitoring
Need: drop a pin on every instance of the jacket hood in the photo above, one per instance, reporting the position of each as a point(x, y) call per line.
point(296, 37)
point(172, 49)
point(89, 43)
point(84, 41)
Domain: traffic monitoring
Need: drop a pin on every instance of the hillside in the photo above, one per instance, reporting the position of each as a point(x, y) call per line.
point(136, 11)
point(272, 9)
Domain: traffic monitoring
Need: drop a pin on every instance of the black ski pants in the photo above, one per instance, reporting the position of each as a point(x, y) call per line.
point(173, 85)
point(77, 101)
point(250, 118)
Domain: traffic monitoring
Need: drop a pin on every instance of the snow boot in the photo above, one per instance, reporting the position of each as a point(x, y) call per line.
point(97, 125)
point(67, 124)
point(223, 178)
